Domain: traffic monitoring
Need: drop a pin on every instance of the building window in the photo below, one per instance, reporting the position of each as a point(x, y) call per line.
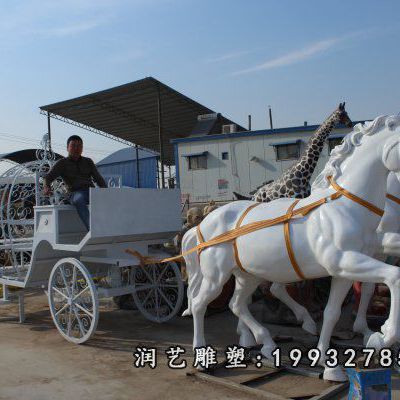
point(225, 155)
point(287, 151)
point(197, 162)
point(333, 142)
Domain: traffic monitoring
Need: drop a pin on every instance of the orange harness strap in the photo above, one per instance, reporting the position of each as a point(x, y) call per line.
point(234, 244)
point(200, 237)
point(289, 248)
point(351, 196)
point(286, 231)
point(393, 198)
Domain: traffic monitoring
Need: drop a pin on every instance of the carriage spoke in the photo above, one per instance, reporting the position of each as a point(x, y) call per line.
point(81, 328)
point(166, 299)
point(86, 311)
point(168, 285)
point(143, 287)
point(62, 309)
point(162, 274)
point(144, 269)
point(60, 292)
point(73, 281)
point(148, 295)
point(157, 304)
point(81, 292)
point(63, 278)
point(69, 322)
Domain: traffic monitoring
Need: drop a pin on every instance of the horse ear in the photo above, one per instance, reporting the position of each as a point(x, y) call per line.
point(341, 106)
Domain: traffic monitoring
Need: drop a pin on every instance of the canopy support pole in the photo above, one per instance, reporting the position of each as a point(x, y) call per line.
point(49, 129)
point(137, 167)
point(158, 172)
point(160, 136)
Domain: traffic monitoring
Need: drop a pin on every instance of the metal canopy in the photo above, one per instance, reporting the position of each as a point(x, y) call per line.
point(146, 112)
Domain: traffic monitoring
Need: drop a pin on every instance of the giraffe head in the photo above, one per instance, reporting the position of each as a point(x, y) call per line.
point(343, 117)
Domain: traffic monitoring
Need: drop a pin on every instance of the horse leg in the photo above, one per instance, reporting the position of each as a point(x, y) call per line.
point(360, 323)
point(246, 338)
point(215, 275)
point(246, 284)
point(356, 266)
point(337, 294)
point(300, 312)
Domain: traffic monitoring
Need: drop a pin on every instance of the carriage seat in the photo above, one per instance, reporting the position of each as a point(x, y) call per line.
point(61, 221)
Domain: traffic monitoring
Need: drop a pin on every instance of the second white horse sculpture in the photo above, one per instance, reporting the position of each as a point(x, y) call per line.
point(337, 239)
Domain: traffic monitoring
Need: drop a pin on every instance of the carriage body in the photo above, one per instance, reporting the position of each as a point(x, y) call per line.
point(44, 244)
point(120, 218)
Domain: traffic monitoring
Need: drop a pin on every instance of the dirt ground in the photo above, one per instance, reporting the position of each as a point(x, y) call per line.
point(37, 363)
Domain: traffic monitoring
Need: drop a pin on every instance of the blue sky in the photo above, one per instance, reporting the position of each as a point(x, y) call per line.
point(237, 57)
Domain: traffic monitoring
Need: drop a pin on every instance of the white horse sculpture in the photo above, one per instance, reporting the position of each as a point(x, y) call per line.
point(388, 244)
point(338, 239)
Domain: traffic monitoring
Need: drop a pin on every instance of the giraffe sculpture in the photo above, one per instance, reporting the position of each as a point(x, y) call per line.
point(295, 182)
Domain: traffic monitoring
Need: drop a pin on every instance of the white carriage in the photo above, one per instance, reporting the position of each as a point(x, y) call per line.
point(44, 244)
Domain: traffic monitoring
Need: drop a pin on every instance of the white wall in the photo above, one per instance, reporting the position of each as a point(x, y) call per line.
point(242, 174)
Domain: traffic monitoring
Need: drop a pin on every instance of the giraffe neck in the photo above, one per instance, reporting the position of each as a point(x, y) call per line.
point(300, 173)
point(317, 140)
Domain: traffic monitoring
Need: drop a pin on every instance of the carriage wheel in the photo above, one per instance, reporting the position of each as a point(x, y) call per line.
point(158, 291)
point(73, 300)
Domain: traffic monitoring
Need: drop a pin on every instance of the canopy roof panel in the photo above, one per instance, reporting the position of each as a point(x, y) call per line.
point(24, 156)
point(130, 114)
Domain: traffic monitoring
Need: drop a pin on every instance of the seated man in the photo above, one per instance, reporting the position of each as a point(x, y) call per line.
point(78, 174)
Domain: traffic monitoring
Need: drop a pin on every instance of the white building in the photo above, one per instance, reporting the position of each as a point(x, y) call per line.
point(212, 167)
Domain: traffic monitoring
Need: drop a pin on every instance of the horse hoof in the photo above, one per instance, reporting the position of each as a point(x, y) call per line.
point(334, 374)
point(186, 313)
point(198, 345)
point(367, 334)
point(247, 340)
point(267, 350)
point(376, 341)
point(310, 326)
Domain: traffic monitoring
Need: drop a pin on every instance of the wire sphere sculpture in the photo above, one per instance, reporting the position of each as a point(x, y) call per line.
point(21, 189)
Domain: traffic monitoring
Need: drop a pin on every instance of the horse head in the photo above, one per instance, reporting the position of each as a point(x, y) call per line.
point(391, 154)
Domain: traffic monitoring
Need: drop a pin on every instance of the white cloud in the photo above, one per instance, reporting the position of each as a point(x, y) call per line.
point(228, 56)
point(60, 18)
point(302, 54)
point(72, 29)
point(294, 56)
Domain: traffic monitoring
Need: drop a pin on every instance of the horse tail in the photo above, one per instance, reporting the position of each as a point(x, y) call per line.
point(193, 269)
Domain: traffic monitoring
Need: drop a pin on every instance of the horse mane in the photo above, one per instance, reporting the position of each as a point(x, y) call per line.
point(350, 141)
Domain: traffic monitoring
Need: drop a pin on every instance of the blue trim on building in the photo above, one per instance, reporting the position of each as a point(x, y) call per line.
point(287, 142)
point(176, 156)
point(295, 129)
point(199, 153)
